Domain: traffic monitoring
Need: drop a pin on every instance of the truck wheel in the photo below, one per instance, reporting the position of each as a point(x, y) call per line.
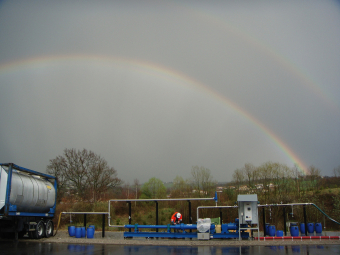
point(39, 230)
point(49, 229)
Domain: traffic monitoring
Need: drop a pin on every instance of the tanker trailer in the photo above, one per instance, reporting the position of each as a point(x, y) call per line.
point(27, 202)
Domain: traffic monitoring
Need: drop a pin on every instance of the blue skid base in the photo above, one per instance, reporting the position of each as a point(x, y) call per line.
point(183, 235)
point(230, 235)
point(160, 234)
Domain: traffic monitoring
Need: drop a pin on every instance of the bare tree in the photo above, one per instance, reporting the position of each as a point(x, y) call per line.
point(180, 187)
point(202, 180)
point(238, 177)
point(336, 171)
point(249, 170)
point(136, 183)
point(314, 175)
point(297, 174)
point(83, 171)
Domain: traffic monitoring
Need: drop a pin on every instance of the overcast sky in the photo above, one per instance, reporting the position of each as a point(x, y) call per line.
point(156, 87)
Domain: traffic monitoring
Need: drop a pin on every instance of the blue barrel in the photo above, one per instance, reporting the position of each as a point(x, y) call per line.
point(78, 232)
point(294, 230)
point(72, 230)
point(318, 228)
point(90, 232)
point(266, 229)
point(272, 230)
point(302, 229)
point(310, 228)
point(93, 226)
point(279, 233)
point(83, 231)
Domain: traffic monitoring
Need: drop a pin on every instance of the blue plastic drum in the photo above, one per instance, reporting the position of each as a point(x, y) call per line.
point(279, 233)
point(90, 232)
point(310, 228)
point(272, 230)
point(93, 226)
point(318, 228)
point(78, 232)
point(294, 231)
point(72, 230)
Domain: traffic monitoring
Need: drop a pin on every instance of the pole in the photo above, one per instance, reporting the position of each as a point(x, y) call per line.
point(305, 216)
point(190, 217)
point(103, 226)
point(156, 215)
point(220, 215)
point(130, 215)
point(85, 220)
point(284, 220)
point(264, 221)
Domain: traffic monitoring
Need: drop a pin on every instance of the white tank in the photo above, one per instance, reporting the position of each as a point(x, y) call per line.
point(30, 193)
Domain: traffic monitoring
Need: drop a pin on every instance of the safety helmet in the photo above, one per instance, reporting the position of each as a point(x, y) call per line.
point(178, 215)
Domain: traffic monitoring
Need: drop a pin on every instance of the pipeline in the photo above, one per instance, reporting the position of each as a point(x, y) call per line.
point(326, 214)
point(301, 204)
point(297, 238)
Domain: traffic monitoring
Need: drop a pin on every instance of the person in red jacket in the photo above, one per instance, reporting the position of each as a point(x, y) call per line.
point(176, 218)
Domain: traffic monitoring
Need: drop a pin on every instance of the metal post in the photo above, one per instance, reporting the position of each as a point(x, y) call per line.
point(220, 215)
point(156, 215)
point(85, 220)
point(284, 220)
point(264, 221)
point(190, 217)
point(305, 216)
point(130, 215)
point(103, 226)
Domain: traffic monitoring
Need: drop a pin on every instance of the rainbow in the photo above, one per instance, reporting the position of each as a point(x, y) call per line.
point(163, 72)
point(287, 64)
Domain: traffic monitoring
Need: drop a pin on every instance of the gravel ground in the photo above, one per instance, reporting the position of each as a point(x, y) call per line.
point(116, 238)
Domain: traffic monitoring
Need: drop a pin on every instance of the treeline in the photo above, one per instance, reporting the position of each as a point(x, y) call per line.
point(276, 181)
point(86, 182)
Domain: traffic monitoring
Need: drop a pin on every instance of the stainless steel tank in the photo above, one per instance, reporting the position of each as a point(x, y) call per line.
point(31, 194)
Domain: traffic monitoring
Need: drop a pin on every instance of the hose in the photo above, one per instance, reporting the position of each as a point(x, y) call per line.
point(58, 224)
point(326, 214)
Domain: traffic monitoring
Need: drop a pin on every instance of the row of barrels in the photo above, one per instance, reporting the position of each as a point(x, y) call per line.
point(80, 232)
point(270, 230)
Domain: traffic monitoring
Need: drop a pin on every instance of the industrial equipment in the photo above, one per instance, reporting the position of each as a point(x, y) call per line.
point(248, 212)
point(230, 230)
point(27, 202)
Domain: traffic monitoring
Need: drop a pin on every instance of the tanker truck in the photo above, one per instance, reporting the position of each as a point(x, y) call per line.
point(27, 202)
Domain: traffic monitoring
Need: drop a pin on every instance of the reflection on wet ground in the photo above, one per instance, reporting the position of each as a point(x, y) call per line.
point(33, 248)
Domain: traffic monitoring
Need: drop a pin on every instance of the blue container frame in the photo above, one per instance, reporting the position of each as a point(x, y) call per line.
point(10, 209)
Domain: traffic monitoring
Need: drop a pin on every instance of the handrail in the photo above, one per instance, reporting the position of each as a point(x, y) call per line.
point(269, 205)
point(153, 200)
